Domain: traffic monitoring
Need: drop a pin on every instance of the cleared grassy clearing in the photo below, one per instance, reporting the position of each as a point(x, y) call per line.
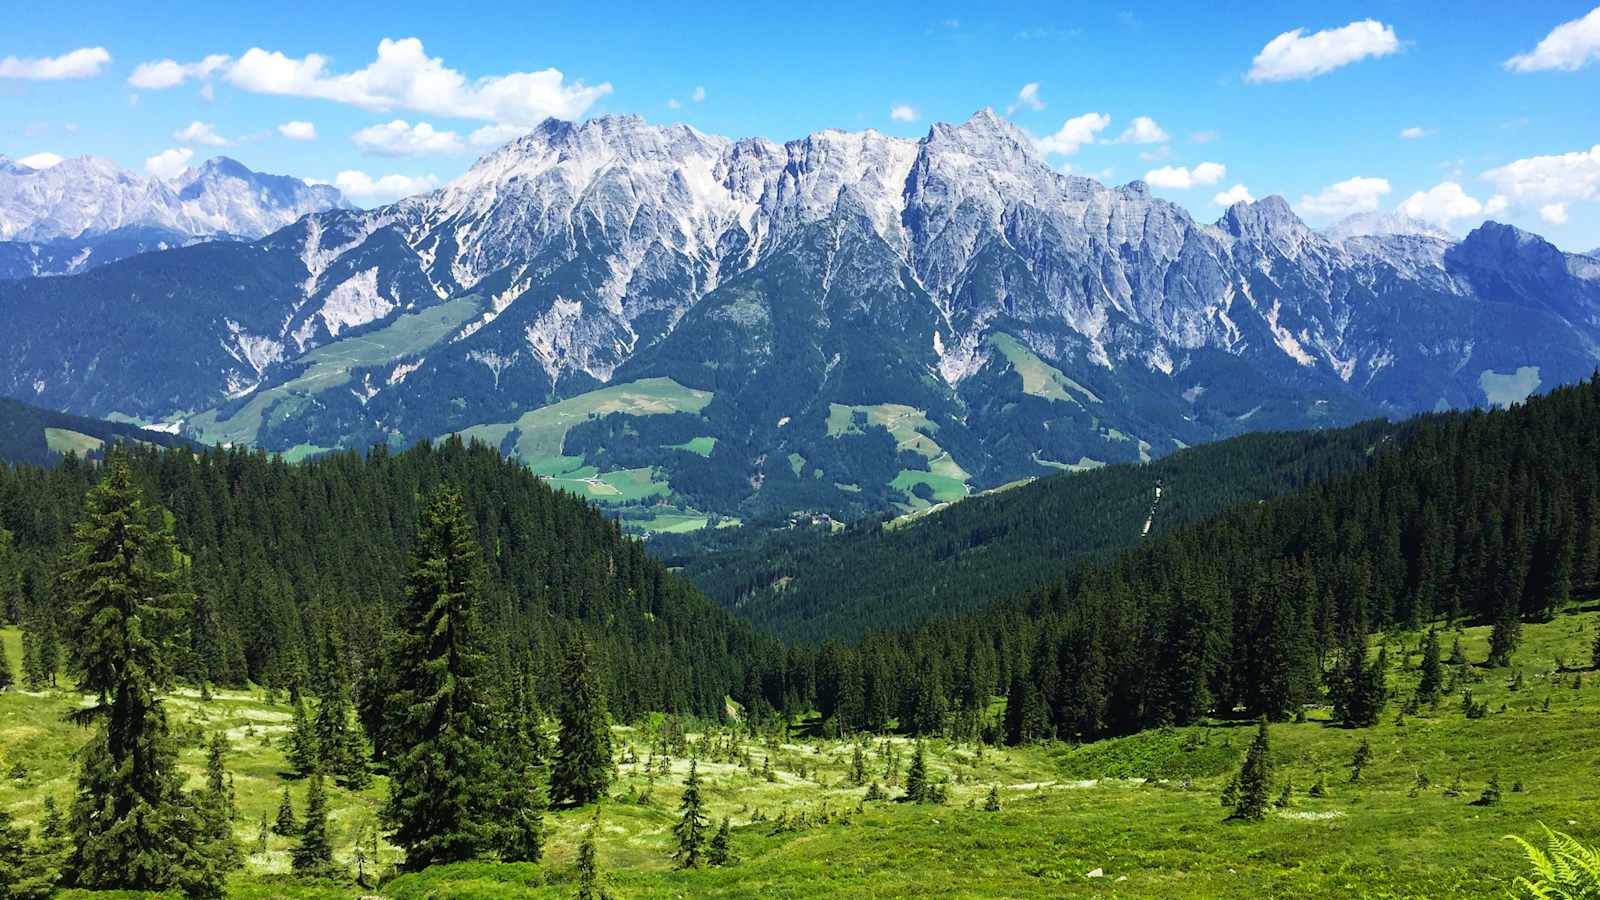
point(63, 440)
point(1039, 378)
point(541, 433)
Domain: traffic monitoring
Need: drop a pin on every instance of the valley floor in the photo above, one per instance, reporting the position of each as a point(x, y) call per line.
point(1130, 817)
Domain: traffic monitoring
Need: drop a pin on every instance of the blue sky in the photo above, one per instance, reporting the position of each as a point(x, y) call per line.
point(1503, 99)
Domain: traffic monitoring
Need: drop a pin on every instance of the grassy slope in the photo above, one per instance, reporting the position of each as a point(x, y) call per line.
point(912, 431)
point(1067, 811)
point(329, 366)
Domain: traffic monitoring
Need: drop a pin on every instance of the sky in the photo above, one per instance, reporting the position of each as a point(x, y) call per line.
point(1451, 112)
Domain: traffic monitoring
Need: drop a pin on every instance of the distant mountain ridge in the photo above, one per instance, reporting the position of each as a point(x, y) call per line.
point(1385, 224)
point(846, 322)
point(86, 211)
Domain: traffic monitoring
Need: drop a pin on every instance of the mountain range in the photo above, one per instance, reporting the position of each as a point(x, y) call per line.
point(87, 211)
point(847, 323)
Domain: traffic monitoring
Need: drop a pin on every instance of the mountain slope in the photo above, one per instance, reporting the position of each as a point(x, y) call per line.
point(39, 437)
point(811, 584)
point(291, 559)
point(872, 323)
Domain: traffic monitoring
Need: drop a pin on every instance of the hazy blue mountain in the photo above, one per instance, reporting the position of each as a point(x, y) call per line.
point(86, 211)
point(847, 322)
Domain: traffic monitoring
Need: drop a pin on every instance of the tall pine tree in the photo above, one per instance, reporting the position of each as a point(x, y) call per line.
point(313, 856)
point(692, 823)
point(132, 825)
point(441, 783)
point(1255, 779)
point(583, 750)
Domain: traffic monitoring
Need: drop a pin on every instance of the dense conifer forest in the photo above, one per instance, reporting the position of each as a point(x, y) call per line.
point(279, 555)
point(810, 584)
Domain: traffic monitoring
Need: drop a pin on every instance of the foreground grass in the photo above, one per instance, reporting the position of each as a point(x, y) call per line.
point(1142, 811)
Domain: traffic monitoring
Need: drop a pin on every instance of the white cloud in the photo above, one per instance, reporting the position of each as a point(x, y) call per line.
point(1181, 178)
point(1236, 194)
point(672, 103)
point(1295, 55)
point(1204, 137)
point(298, 131)
point(40, 160)
point(199, 133)
point(1413, 133)
point(169, 163)
point(1143, 130)
point(1027, 97)
point(401, 138)
point(1443, 203)
point(699, 94)
point(208, 92)
point(1156, 153)
point(402, 77)
point(1569, 46)
point(362, 188)
point(1074, 133)
point(1554, 213)
point(495, 135)
point(84, 62)
point(1496, 205)
point(902, 113)
point(169, 73)
point(1352, 195)
point(1567, 176)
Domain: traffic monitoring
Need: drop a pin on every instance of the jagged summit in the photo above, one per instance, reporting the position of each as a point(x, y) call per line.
point(88, 196)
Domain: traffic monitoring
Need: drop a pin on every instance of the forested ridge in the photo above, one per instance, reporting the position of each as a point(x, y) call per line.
point(279, 553)
point(808, 584)
point(1491, 517)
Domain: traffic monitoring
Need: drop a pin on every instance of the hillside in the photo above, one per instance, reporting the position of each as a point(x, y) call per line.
point(810, 583)
point(283, 553)
point(40, 437)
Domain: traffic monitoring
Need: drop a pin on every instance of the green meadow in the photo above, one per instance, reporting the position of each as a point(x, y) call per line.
point(1137, 816)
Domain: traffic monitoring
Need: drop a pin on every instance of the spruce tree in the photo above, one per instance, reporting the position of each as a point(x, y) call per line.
point(303, 753)
point(1255, 778)
point(1430, 685)
point(340, 749)
point(313, 856)
point(588, 865)
point(583, 751)
point(1595, 653)
point(691, 828)
point(24, 870)
point(521, 766)
point(8, 677)
point(33, 676)
point(219, 788)
point(992, 802)
point(720, 853)
point(286, 825)
point(917, 777)
point(1505, 636)
point(133, 826)
point(441, 777)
